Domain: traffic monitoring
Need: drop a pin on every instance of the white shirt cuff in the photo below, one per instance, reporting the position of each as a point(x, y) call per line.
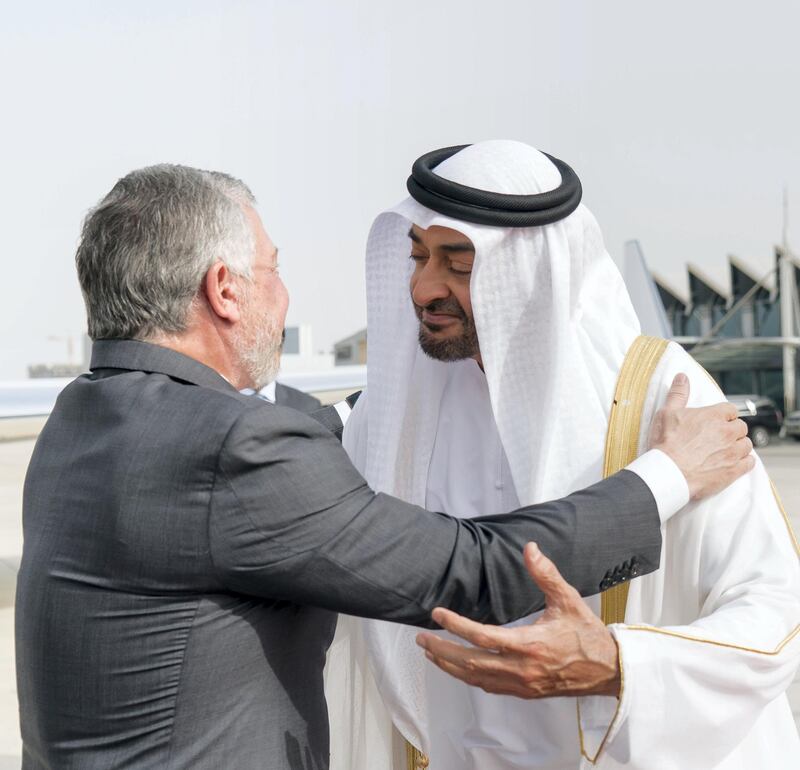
point(666, 482)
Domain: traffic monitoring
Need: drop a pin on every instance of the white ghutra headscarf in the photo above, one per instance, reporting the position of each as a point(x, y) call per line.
point(554, 322)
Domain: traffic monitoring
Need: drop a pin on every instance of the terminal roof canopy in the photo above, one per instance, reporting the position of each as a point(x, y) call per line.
point(702, 290)
point(742, 281)
point(670, 297)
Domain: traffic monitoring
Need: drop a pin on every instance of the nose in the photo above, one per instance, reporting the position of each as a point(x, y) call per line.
point(429, 284)
point(283, 294)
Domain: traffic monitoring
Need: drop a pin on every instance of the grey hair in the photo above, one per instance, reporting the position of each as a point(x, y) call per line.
point(146, 246)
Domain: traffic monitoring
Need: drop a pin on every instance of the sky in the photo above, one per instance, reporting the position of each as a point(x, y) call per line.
point(682, 120)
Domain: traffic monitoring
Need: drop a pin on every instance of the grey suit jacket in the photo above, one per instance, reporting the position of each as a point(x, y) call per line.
point(288, 396)
point(187, 549)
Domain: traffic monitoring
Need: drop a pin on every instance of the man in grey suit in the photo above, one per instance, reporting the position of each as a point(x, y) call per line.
point(187, 547)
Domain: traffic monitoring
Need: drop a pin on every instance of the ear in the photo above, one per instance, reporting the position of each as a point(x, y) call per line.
point(224, 292)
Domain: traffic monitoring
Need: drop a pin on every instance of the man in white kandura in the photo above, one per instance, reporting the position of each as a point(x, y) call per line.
point(491, 386)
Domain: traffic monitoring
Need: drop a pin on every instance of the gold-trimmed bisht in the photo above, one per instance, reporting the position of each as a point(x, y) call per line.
point(415, 759)
point(622, 448)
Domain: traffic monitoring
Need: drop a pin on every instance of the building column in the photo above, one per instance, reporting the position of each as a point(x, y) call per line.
point(788, 329)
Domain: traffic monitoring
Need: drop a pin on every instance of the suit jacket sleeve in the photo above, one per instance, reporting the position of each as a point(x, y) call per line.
point(303, 402)
point(291, 519)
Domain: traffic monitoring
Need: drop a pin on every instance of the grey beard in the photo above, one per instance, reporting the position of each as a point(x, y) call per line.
point(262, 363)
point(260, 353)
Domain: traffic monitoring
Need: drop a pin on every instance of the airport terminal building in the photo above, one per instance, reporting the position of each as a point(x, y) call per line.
point(747, 337)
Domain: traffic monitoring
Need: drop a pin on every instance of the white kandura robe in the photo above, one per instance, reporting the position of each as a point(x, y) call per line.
point(469, 476)
point(729, 575)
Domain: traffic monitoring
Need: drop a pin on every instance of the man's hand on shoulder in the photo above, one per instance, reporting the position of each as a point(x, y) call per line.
point(566, 651)
point(709, 444)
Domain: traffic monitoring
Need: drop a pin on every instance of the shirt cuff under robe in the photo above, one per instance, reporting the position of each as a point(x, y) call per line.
point(665, 479)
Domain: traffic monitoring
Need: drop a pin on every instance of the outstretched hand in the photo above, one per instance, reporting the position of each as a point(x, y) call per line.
point(566, 651)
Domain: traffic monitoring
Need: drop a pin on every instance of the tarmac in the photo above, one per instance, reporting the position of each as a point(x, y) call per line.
point(782, 460)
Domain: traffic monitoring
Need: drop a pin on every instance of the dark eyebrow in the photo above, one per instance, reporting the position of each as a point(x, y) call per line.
point(462, 247)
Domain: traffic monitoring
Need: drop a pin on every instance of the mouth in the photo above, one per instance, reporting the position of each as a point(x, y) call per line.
point(438, 320)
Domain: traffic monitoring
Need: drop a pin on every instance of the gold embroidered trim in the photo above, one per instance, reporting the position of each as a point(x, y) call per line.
point(593, 760)
point(622, 438)
point(415, 759)
point(676, 634)
point(622, 447)
point(785, 517)
point(729, 645)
